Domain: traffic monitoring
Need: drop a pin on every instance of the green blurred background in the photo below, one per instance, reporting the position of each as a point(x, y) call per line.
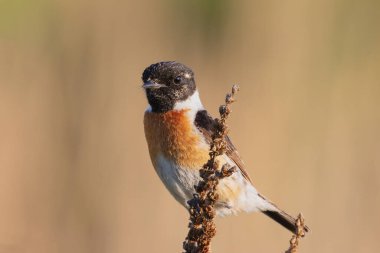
point(75, 175)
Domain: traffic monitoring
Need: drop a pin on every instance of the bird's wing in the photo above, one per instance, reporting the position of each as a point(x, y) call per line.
point(206, 125)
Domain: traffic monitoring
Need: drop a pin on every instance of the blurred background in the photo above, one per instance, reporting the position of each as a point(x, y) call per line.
point(75, 174)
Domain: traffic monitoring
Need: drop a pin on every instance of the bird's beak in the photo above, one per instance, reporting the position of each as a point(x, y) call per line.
point(152, 85)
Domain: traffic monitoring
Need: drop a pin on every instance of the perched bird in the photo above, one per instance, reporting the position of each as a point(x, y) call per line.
point(178, 131)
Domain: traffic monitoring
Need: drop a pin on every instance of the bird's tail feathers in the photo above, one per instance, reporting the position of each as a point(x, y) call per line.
point(280, 216)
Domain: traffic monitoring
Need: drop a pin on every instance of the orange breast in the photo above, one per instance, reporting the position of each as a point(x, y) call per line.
point(172, 135)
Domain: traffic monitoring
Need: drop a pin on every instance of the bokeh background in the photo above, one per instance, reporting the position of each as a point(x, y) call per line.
point(75, 175)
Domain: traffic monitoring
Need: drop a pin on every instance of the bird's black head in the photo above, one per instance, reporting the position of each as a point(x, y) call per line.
point(167, 83)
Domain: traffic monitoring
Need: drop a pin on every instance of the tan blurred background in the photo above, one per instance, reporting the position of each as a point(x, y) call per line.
point(75, 174)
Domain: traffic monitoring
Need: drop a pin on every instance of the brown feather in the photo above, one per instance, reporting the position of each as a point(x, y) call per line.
point(206, 125)
point(171, 134)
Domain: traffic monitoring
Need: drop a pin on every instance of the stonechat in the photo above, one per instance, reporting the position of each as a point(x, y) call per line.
point(178, 131)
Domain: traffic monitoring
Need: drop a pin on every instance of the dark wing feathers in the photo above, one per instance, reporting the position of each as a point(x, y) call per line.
point(206, 125)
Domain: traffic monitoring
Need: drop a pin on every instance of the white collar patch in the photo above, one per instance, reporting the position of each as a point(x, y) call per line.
point(193, 103)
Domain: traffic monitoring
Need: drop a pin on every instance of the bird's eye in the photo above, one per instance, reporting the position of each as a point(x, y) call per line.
point(178, 80)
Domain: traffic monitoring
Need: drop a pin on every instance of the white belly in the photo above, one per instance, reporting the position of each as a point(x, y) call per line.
point(180, 182)
point(236, 193)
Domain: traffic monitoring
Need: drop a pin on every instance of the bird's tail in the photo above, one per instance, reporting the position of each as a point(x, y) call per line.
point(286, 220)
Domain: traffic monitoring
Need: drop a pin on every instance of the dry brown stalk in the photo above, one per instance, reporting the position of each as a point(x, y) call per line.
point(294, 241)
point(201, 207)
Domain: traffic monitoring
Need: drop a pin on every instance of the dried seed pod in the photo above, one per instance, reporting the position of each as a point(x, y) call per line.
point(235, 89)
point(222, 109)
point(229, 99)
point(202, 212)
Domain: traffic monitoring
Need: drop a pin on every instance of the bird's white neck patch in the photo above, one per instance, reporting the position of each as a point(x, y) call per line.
point(193, 103)
point(149, 108)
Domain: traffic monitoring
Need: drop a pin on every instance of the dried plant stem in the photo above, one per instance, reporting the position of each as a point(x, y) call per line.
point(201, 206)
point(294, 241)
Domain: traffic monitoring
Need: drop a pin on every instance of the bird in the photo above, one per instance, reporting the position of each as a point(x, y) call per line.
point(178, 132)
